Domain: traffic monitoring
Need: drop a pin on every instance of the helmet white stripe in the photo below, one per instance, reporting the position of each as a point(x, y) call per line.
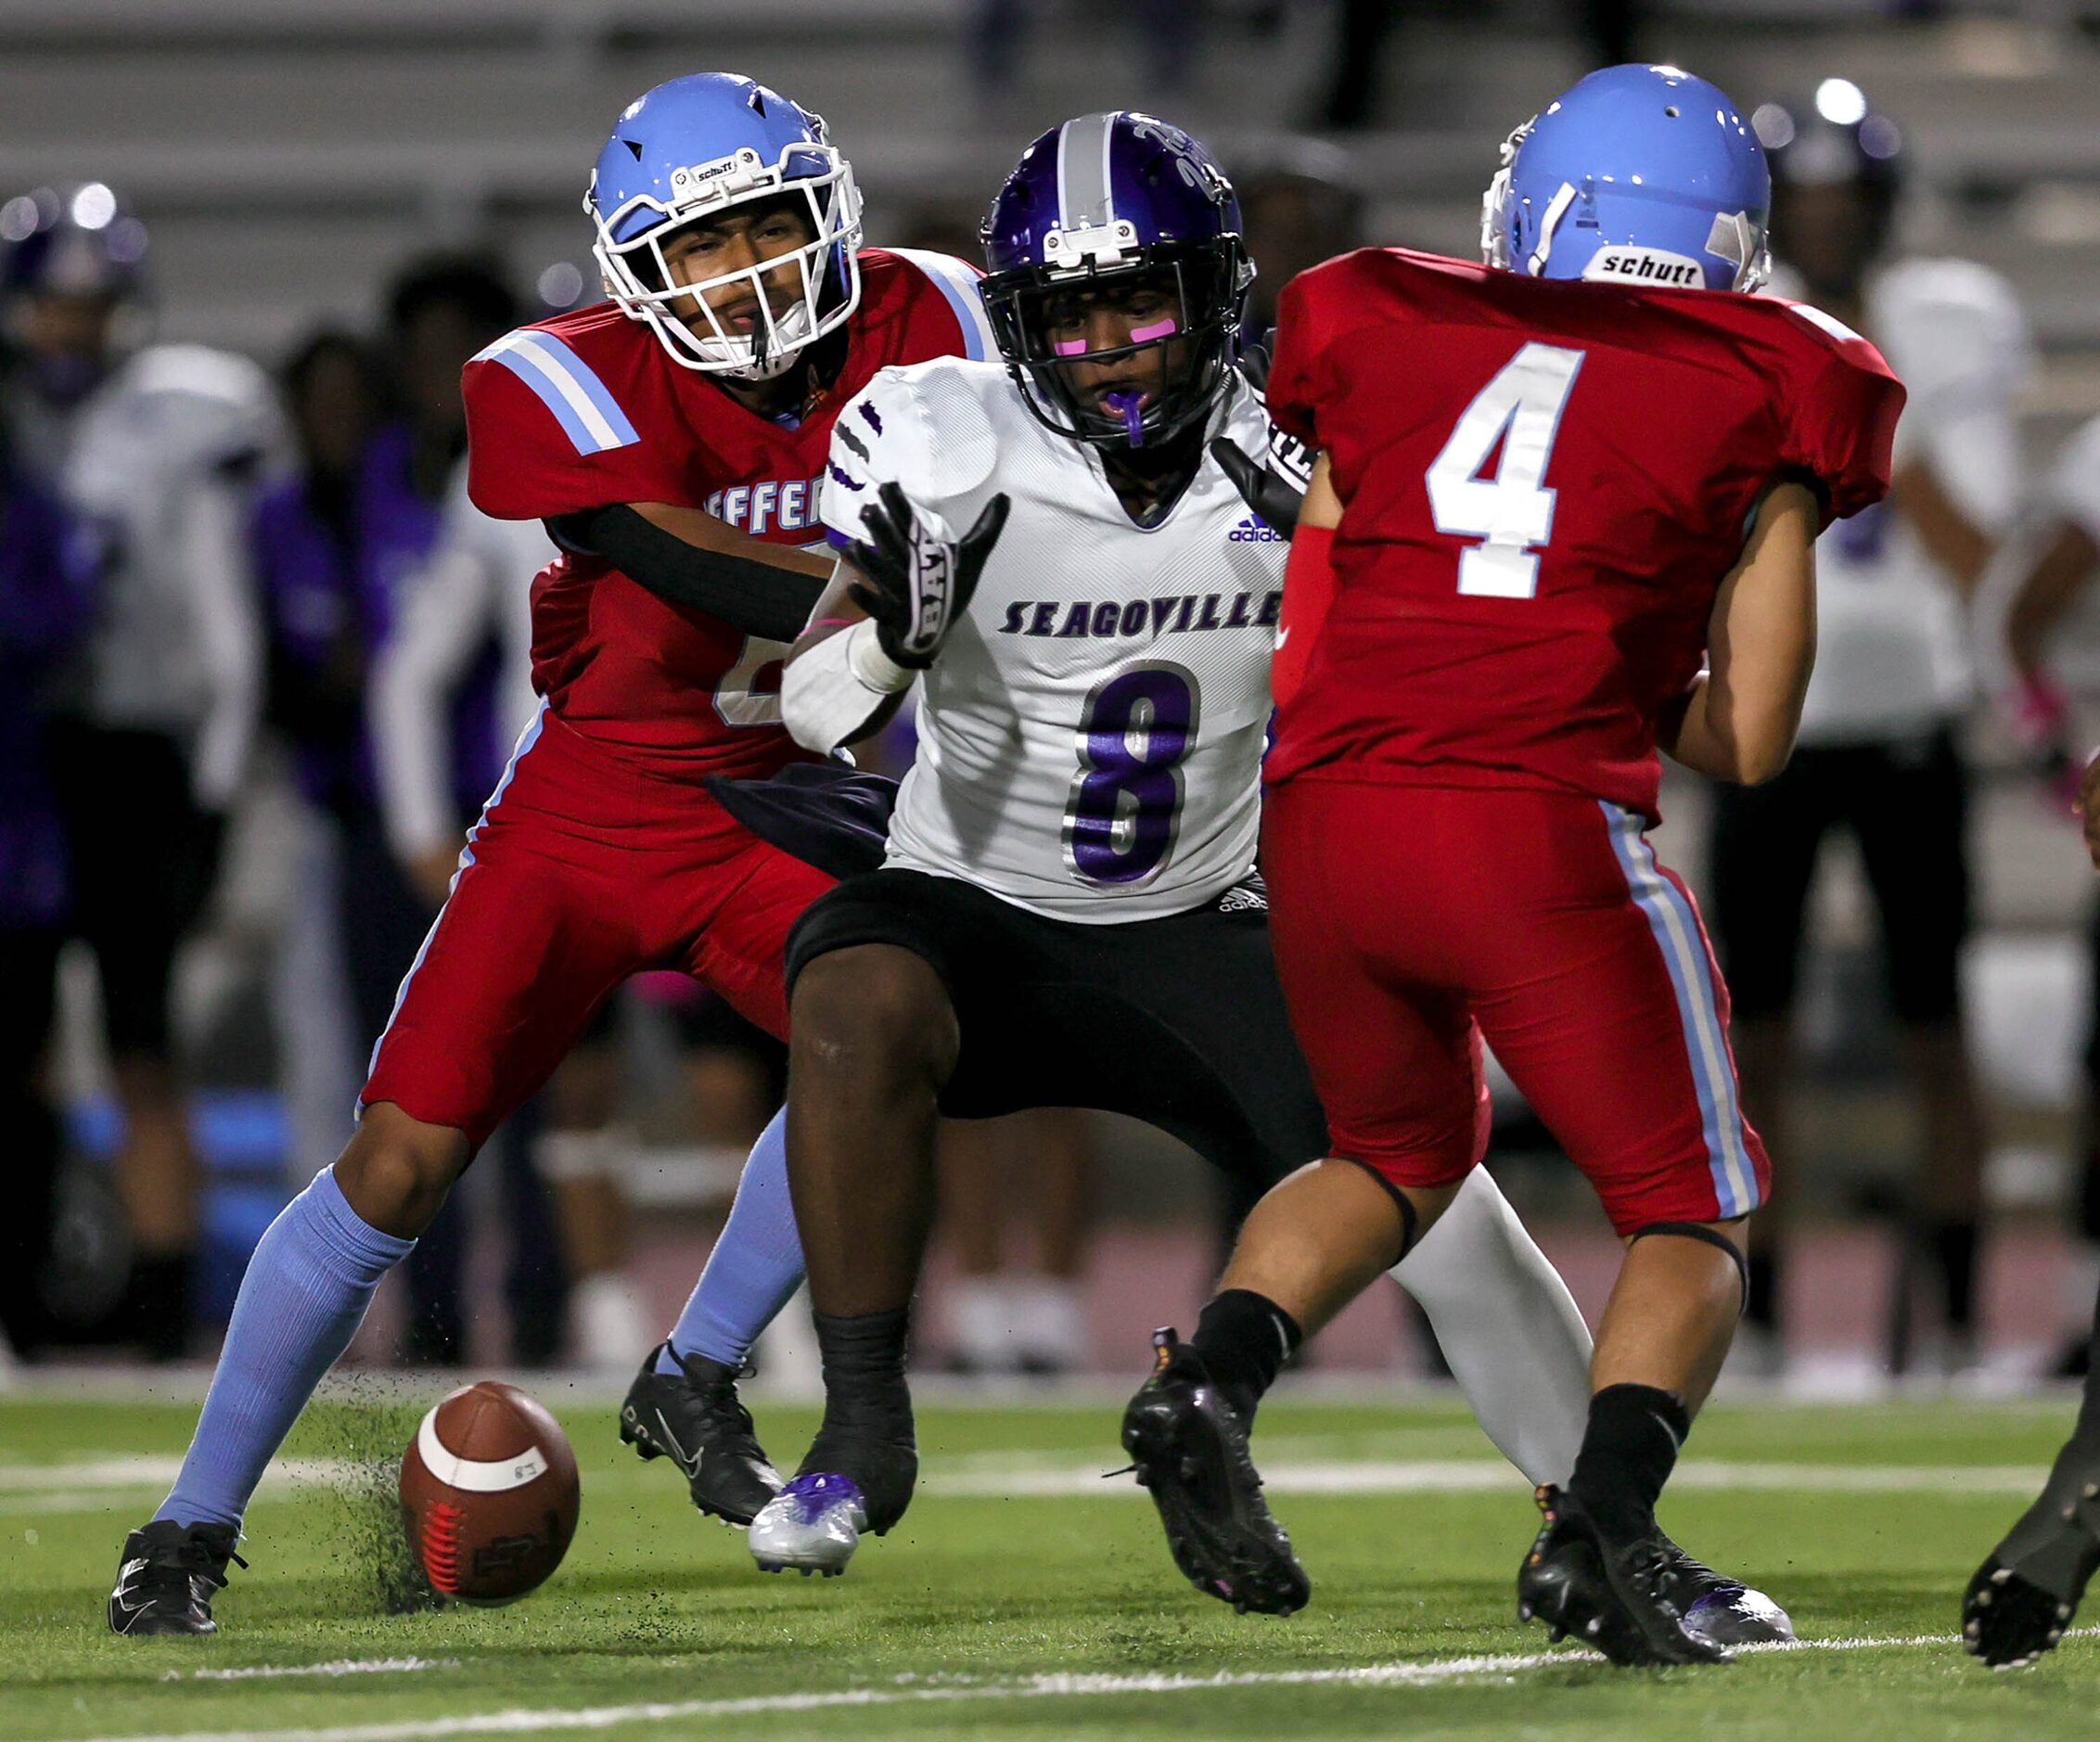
point(1107, 178)
point(1083, 181)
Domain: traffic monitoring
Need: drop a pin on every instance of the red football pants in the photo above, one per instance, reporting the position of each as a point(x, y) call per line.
point(1411, 921)
point(582, 870)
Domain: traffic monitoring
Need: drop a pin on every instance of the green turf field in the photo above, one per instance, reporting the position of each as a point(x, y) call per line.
point(1024, 1595)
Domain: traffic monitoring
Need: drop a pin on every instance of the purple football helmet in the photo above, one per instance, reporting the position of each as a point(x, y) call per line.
point(1099, 197)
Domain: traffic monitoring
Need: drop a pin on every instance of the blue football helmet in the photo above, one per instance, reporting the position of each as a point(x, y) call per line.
point(1637, 174)
point(1101, 196)
point(692, 148)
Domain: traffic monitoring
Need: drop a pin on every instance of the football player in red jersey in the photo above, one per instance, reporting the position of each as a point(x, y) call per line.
point(672, 440)
point(1541, 505)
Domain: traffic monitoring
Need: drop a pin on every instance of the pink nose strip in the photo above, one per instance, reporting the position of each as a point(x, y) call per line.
point(1159, 330)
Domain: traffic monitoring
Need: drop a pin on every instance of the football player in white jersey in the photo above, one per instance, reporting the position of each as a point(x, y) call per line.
point(2022, 1598)
point(1067, 914)
point(2052, 634)
point(1878, 753)
point(156, 447)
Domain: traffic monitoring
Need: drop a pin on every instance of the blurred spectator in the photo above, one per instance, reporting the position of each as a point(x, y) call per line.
point(327, 609)
point(1298, 205)
point(946, 226)
point(2053, 635)
point(1878, 753)
point(1168, 36)
point(1609, 31)
point(1007, 1314)
point(47, 596)
point(473, 590)
point(157, 448)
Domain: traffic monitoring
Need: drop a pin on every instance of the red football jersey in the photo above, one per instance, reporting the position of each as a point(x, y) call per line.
point(587, 410)
point(1545, 482)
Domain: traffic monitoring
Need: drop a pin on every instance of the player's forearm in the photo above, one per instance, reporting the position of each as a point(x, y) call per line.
point(1685, 735)
point(1725, 734)
point(1741, 715)
point(1953, 539)
point(840, 686)
point(2058, 576)
point(762, 589)
point(706, 532)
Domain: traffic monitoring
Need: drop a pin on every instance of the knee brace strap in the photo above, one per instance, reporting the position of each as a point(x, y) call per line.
point(1699, 1231)
point(1410, 1222)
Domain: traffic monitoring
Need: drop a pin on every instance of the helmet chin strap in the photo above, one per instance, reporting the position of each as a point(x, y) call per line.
point(765, 369)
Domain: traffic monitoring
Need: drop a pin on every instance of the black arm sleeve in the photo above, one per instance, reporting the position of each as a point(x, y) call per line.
point(758, 598)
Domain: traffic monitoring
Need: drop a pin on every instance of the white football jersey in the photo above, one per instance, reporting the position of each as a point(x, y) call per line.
point(477, 583)
point(1892, 642)
point(160, 458)
point(1091, 736)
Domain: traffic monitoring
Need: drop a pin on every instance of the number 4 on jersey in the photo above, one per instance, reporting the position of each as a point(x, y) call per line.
point(1511, 512)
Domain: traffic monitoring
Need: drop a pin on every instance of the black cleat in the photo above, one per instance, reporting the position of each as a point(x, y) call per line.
point(1625, 1597)
point(1725, 1611)
point(695, 1419)
point(2009, 1621)
point(2023, 1597)
point(167, 1576)
point(1189, 1449)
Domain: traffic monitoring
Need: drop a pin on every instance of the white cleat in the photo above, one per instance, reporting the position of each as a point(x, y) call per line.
point(812, 1525)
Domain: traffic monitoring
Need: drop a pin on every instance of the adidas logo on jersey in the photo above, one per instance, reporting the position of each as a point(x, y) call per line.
point(1254, 531)
point(1170, 613)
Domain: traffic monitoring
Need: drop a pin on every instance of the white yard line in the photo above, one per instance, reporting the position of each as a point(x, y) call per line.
point(110, 1483)
point(151, 1469)
point(1418, 1476)
point(1503, 1665)
point(339, 1666)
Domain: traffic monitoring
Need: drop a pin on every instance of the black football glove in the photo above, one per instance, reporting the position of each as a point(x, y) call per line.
point(917, 587)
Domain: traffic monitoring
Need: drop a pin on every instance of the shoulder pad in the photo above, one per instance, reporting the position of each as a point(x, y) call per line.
point(956, 282)
point(930, 423)
point(208, 405)
point(1942, 319)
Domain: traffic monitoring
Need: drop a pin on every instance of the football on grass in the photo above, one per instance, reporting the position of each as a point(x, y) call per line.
point(489, 1494)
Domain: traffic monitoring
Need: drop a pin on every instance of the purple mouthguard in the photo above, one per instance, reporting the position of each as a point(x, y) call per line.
point(1130, 407)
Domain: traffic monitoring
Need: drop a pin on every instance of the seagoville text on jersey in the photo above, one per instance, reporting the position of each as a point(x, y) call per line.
point(1167, 613)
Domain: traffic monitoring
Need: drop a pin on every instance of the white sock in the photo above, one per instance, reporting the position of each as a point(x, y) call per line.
point(982, 1322)
point(1049, 1321)
point(1510, 1329)
point(609, 1323)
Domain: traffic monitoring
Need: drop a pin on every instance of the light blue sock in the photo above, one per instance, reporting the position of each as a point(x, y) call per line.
point(305, 1292)
point(756, 1265)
